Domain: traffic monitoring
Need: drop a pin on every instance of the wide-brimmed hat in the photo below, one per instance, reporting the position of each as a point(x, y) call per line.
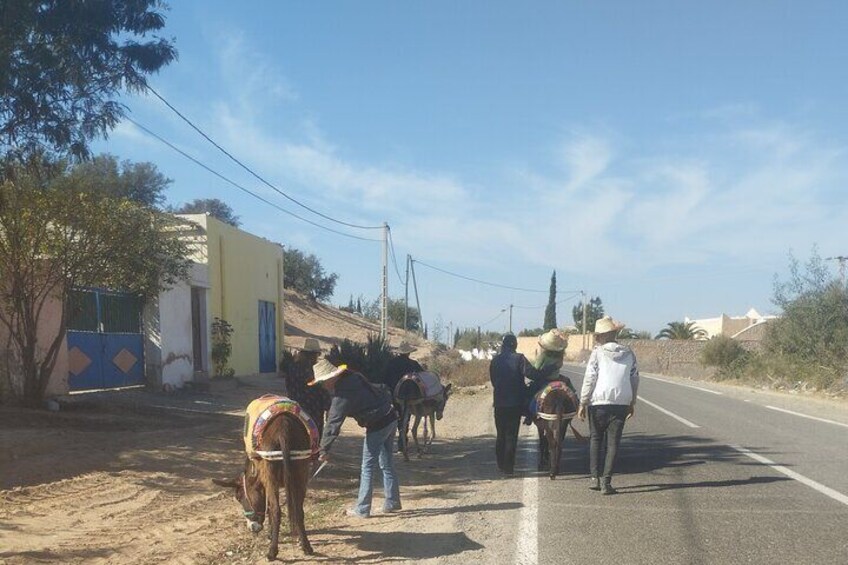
point(552, 341)
point(405, 348)
point(324, 371)
point(310, 345)
point(606, 325)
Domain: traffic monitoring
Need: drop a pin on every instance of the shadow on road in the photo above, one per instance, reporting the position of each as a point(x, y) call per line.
point(400, 546)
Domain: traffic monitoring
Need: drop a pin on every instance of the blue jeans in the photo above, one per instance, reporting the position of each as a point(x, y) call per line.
point(378, 449)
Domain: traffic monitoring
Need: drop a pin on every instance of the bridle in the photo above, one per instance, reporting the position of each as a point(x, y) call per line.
point(252, 513)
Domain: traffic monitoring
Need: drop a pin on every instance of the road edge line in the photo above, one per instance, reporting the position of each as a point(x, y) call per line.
point(825, 490)
point(825, 420)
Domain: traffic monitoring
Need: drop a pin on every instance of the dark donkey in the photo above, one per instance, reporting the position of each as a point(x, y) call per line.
point(287, 445)
point(556, 407)
point(410, 397)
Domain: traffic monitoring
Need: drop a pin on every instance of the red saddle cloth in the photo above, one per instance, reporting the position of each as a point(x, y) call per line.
point(551, 386)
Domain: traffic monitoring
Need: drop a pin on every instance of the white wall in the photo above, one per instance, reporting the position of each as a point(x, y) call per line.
point(175, 334)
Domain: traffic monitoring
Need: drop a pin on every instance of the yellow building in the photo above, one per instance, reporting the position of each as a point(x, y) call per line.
point(245, 289)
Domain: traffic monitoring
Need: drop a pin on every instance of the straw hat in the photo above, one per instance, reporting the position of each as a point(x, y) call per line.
point(405, 348)
point(606, 325)
point(324, 371)
point(552, 341)
point(311, 345)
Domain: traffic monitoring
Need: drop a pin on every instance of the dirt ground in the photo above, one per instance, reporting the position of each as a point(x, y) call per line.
point(124, 478)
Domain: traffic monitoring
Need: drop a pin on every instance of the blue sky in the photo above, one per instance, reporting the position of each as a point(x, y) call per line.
point(666, 156)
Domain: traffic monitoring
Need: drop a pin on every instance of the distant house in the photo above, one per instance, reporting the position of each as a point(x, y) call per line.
point(747, 328)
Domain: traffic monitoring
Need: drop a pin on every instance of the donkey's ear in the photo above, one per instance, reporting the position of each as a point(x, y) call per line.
point(226, 483)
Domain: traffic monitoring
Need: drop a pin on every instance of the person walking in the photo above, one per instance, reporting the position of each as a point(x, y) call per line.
point(372, 408)
point(507, 372)
point(609, 391)
point(314, 400)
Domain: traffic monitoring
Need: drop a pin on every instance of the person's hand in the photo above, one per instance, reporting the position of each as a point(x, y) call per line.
point(323, 458)
point(581, 412)
point(631, 411)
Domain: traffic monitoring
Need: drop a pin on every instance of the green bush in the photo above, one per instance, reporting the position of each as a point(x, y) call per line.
point(722, 351)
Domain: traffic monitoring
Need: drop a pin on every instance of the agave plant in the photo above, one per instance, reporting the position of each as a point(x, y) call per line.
point(369, 358)
point(682, 330)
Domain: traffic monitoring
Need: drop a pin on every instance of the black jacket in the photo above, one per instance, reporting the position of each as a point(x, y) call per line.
point(354, 396)
point(507, 372)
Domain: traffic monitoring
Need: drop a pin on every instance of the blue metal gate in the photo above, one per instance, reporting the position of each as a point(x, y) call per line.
point(267, 337)
point(105, 342)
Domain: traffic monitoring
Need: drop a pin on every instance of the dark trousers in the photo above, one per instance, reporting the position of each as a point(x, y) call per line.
point(606, 423)
point(507, 424)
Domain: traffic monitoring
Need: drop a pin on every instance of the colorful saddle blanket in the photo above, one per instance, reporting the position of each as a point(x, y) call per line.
point(539, 398)
point(428, 383)
point(263, 410)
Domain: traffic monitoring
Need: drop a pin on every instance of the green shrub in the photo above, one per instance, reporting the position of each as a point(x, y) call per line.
point(722, 351)
point(222, 348)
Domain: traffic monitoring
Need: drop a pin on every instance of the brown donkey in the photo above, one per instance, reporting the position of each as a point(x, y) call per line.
point(557, 405)
point(284, 447)
point(410, 396)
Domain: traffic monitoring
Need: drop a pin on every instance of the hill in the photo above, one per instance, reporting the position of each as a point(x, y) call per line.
point(329, 325)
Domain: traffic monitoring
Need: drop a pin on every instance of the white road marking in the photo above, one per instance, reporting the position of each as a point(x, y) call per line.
point(827, 491)
point(702, 389)
point(680, 419)
point(527, 547)
point(807, 416)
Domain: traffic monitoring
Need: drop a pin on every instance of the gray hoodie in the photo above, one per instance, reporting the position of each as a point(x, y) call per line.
point(611, 376)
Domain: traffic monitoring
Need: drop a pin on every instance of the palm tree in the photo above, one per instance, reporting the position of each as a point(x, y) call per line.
point(682, 330)
point(627, 333)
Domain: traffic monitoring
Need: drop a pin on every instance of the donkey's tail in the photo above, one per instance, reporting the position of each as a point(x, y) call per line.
point(288, 478)
point(404, 424)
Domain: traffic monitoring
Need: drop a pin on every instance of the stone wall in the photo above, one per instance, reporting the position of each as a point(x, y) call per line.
point(678, 357)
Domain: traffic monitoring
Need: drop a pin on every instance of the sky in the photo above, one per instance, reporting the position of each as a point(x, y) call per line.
point(665, 156)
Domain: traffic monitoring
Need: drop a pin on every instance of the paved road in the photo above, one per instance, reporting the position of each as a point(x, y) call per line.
point(704, 477)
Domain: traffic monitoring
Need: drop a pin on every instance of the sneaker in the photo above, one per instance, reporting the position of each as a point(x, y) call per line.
point(392, 510)
point(594, 483)
point(351, 513)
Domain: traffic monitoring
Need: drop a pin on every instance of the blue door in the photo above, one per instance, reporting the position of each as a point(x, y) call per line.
point(105, 342)
point(267, 337)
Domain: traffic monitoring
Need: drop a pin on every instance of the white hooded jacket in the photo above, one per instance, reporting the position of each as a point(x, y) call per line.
point(611, 376)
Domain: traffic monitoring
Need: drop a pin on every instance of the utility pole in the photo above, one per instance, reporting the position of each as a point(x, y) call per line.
point(450, 333)
point(510, 318)
point(417, 302)
point(406, 297)
point(479, 341)
point(585, 310)
point(842, 260)
point(384, 299)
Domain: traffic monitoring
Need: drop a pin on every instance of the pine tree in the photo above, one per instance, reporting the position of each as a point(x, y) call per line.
point(550, 310)
point(455, 337)
point(359, 306)
point(426, 332)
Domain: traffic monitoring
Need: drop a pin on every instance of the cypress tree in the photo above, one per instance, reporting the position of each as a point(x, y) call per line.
point(550, 310)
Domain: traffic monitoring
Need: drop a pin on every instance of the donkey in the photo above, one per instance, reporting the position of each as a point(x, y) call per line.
point(412, 403)
point(557, 408)
point(258, 486)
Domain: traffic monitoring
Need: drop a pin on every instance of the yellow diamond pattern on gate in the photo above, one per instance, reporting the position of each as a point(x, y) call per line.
point(78, 361)
point(124, 360)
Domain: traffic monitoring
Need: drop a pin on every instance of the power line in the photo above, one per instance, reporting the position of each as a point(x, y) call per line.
point(574, 294)
point(251, 171)
point(240, 187)
point(483, 325)
point(457, 275)
point(394, 259)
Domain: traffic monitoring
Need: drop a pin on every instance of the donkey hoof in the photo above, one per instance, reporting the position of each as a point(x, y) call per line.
point(272, 555)
point(307, 549)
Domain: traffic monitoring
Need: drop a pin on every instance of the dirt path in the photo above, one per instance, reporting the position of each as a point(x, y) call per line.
point(131, 485)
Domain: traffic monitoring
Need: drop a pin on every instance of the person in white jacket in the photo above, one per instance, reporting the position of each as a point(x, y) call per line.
point(609, 392)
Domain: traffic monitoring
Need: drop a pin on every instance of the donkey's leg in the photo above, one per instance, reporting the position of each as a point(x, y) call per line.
point(415, 432)
point(543, 444)
point(555, 445)
point(407, 412)
point(273, 496)
point(298, 494)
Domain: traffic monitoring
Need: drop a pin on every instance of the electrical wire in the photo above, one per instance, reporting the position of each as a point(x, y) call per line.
point(240, 187)
point(402, 280)
point(483, 325)
point(251, 171)
point(457, 275)
point(574, 294)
